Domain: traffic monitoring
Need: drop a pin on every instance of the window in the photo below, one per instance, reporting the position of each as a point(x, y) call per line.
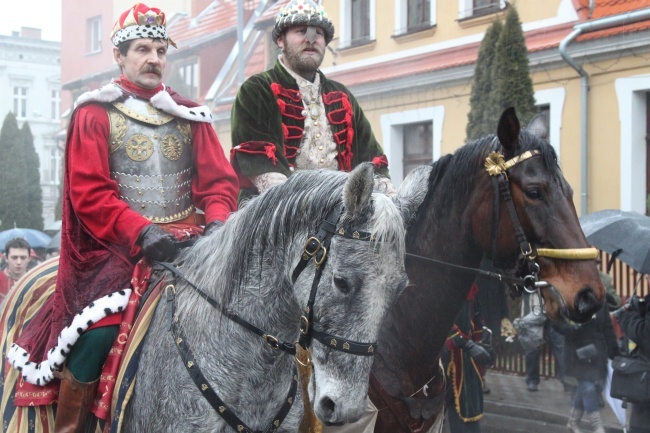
point(186, 79)
point(52, 174)
point(476, 8)
point(485, 7)
point(414, 15)
point(411, 138)
point(418, 14)
point(20, 101)
point(94, 35)
point(360, 20)
point(418, 145)
point(357, 22)
point(55, 103)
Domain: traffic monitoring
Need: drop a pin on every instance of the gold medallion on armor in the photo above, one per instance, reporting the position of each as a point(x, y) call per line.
point(171, 147)
point(139, 147)
point(118, 129)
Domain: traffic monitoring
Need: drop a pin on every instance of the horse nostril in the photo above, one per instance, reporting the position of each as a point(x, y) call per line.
point(586, 302)
point(328, 408)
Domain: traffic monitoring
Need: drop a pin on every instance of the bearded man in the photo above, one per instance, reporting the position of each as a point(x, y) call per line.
point(140, 160)
point(292, 117)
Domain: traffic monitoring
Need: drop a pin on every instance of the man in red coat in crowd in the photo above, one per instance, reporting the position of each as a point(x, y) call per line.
point(17, 254)
point(140, 161)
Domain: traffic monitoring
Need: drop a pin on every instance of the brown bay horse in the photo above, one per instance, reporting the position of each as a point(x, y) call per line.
point(454, 225)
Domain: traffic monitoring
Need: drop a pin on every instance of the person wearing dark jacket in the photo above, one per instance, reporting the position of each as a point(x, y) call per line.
point(586, 349)
point(635, 323)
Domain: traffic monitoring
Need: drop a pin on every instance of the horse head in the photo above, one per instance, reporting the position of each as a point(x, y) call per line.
point(544, 206)
point(363, 275)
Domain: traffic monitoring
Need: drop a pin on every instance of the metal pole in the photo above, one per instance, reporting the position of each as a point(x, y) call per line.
point(240, 41)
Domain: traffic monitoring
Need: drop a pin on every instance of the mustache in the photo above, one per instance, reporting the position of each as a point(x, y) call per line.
point(153, 69)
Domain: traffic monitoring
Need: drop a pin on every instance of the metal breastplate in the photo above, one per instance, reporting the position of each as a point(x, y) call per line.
point(151, 160)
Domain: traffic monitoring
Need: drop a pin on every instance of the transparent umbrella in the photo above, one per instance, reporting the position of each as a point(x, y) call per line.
point(36, 238)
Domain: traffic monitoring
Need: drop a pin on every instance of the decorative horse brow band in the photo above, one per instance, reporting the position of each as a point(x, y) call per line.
point(495, 164)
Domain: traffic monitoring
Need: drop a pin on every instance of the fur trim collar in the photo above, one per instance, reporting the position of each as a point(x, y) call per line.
point(161, 100)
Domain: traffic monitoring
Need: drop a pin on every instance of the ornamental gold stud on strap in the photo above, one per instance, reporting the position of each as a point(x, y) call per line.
point(495, 164)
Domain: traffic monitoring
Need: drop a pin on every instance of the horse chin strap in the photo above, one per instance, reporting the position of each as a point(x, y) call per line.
point(497, 167)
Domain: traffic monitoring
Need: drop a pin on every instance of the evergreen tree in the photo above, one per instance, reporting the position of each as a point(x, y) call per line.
point(33, 175)
point(513, 86)
point(13, 181)
point(482, 118)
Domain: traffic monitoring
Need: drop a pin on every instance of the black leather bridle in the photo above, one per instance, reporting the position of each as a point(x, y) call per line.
point(316, 248)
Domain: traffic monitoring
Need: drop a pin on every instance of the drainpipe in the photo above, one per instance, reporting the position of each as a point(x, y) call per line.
point(578, 29)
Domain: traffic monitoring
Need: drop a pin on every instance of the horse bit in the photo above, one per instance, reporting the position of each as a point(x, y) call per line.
point(316, 248)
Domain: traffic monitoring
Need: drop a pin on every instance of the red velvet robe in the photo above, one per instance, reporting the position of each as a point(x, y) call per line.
point(99, 231)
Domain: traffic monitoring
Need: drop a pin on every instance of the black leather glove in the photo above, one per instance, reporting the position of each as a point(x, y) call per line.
point(156, 243)
point(478, 353)
point(212, 227)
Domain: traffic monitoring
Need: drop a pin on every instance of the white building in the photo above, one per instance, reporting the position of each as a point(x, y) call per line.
point(30, 85)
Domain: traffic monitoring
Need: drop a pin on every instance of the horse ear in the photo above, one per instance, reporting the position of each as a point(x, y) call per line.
point(508, 131)
point(358, 188)
point(538, 126)
point(412, 192)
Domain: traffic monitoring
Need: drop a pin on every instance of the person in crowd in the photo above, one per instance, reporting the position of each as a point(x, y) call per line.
point(292, 117)
point(532, 302)
point(17, 254)
point(587, 347)
point(140, 161)
point(466, 360)
point(635, 323)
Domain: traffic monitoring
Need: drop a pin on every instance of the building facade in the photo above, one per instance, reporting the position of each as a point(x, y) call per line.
point(30, 82)
point(411, 64)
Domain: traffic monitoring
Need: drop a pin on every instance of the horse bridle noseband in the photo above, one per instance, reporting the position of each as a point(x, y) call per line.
point(316, 248)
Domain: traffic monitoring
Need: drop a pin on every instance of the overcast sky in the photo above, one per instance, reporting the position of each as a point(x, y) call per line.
point(43, 14)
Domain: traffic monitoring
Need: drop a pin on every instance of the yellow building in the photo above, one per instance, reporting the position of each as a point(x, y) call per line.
point(410, 63)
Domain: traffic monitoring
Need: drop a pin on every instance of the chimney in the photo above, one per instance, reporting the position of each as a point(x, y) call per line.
point(30, 32)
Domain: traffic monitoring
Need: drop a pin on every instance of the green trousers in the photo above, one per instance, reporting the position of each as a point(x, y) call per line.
point(89, 353)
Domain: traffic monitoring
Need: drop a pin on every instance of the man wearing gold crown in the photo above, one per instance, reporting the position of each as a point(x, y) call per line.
point(292, 117)
point(140, 161)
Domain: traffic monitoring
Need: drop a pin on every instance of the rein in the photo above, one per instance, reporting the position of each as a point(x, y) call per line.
point(316, 247)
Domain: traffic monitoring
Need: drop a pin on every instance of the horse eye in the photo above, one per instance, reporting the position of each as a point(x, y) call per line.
point(342, 284)
point(534, 194)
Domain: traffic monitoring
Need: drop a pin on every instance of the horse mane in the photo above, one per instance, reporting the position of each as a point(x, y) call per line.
point(258, 238)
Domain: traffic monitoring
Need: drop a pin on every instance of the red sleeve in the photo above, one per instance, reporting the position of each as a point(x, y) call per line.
point(215, 187)
point(93, 194)
point(4, 285)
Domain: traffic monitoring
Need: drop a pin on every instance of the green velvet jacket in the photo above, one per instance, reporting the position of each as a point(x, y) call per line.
point(268, 124)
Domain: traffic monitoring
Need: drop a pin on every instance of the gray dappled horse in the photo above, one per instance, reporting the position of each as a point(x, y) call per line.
point(247, 267)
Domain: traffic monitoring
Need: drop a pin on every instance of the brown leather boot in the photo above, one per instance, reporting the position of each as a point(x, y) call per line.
point(75, 401)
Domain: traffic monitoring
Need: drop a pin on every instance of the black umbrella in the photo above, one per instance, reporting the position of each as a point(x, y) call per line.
point(624, 235)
